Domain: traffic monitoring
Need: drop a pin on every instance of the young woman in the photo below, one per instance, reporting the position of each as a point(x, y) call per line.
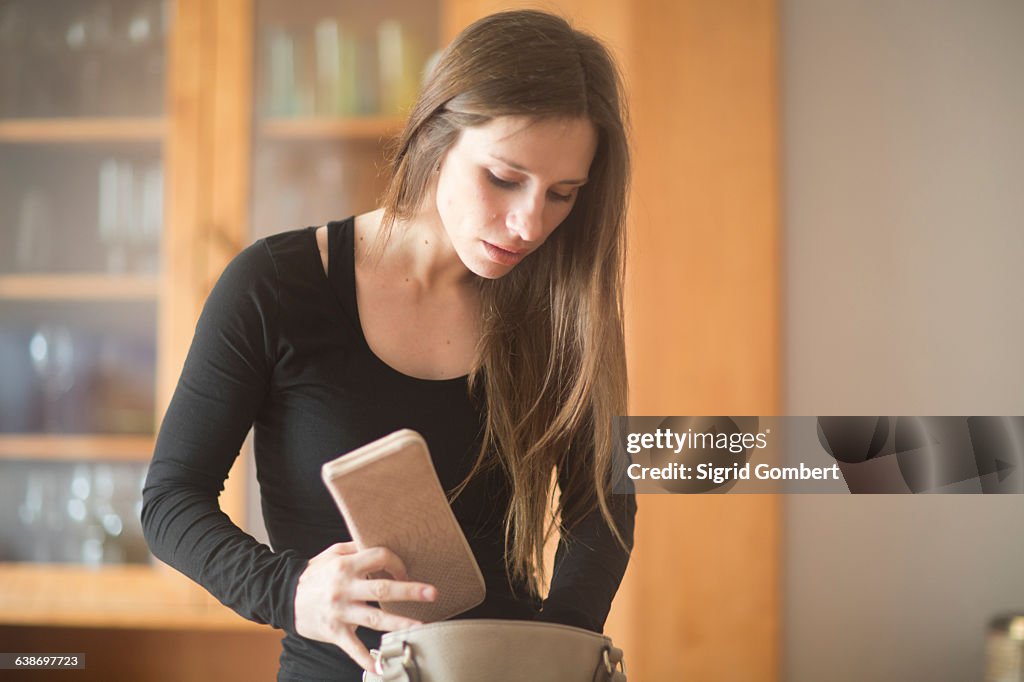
point(481, 306)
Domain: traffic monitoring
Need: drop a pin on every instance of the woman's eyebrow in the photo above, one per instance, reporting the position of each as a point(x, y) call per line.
point(524, 169)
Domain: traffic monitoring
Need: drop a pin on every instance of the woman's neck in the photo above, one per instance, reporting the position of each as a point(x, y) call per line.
point(418, 250)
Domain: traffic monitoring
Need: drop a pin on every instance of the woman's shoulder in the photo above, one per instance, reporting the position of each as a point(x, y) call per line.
point(285, 248)
point(296, 257)
point(260, 268)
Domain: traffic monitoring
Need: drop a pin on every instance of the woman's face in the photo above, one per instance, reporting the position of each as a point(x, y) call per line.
point(503, 187)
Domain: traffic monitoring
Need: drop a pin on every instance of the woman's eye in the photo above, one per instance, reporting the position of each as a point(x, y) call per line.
point(498, 182)
point(512, 184)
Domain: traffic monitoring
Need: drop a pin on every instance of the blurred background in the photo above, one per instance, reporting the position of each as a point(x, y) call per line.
point(826, 218)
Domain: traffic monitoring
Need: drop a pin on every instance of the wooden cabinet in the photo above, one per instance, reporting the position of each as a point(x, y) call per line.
point(142, 144)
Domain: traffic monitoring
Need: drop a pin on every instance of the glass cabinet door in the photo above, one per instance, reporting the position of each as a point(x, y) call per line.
point(82, 135)
point(333, 81)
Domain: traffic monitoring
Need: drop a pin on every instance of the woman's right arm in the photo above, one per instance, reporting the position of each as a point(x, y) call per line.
point(223, 385)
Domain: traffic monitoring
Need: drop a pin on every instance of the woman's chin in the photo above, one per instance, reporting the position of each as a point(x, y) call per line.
point(489, 270)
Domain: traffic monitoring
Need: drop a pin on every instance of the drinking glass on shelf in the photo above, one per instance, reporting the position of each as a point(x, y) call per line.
point(20, 396)
point(130, 215)
point(137, 48)
point(327, 37)
point(398, 64)
point(114, 185)
point(39, 495)
point(41, 91)
point(76, 503)
point(85, 539)
point(127, 210)
point(81, 81)
point(106, 514)
point(53, 358)
point(98, 26)
point(337, 69)
point(281, 73)
point(33, 231)
point(367, 73)
point(146, 236)
point(42, 518)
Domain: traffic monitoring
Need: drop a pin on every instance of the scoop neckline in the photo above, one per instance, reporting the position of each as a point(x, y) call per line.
point(342, 281)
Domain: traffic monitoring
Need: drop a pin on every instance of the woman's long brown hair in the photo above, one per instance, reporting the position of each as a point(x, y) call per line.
point(551, 361)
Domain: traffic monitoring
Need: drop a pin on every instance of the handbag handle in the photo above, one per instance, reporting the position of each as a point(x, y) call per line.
point(398, 663)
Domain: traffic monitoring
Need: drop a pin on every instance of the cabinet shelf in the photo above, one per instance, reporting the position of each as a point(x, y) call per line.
point(79, 287)
point(110, 596)
point(324, 127)
point(76, 447)
point(55, 130)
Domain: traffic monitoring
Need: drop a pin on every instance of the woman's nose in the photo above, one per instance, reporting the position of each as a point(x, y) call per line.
point(526, 221)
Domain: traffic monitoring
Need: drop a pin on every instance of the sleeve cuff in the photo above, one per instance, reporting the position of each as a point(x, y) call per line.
point(295, 568)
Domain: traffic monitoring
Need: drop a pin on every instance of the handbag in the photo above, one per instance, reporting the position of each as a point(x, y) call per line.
point(489, 650)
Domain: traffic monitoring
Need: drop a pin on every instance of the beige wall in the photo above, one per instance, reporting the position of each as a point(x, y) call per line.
point(904, 219)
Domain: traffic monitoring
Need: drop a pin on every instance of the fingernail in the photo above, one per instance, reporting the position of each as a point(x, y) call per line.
point(428, 593)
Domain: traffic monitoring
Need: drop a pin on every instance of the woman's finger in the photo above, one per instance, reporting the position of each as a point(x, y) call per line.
point(354, 647)
point(332, 552)
point(377, 559)
point(391, 590)
point(376, 619)
point(343, 548)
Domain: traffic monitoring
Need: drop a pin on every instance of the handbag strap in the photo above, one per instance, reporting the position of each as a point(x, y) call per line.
point(611, 667)
point(398, 662)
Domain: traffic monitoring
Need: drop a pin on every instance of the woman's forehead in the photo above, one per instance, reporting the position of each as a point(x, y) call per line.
point(563, 146)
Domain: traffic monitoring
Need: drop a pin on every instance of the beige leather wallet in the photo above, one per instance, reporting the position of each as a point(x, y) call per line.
point(389, 495)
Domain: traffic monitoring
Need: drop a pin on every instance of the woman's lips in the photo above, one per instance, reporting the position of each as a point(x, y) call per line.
point(502, 255)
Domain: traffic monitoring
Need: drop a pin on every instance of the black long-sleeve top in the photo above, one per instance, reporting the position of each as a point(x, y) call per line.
point(279, 348)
